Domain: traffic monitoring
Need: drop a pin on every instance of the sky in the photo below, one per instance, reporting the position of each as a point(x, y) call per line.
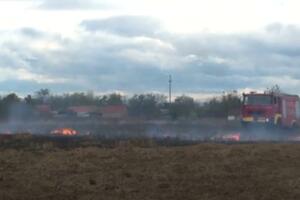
point(131, 46)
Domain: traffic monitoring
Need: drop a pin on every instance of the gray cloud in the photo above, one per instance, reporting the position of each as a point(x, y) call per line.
point(124, 25)
point(30, 32)
point(120, 60)
point(71, 4)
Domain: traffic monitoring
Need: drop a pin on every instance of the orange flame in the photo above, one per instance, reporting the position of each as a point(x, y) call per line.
point(232, 137)
point(65, 132)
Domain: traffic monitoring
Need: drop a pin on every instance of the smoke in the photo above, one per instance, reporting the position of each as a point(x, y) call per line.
point(196, 131)
point(261, 133)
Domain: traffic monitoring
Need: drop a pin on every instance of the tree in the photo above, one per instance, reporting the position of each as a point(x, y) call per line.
point(11, 99)
point(62, 102)
point(103, 100)
point(183, 106)
point(43, 92)
point(29, 100)
point(114, 99)
point(42, 95)
point(146, 105)
point(227, 104)
point(273, 89)
point(7, 104)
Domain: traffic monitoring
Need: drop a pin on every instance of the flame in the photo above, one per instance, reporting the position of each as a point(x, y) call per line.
point(235, 137)
point(232, 137)
point(65, 132)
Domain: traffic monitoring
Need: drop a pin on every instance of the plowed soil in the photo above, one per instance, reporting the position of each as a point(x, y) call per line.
point(129, 170)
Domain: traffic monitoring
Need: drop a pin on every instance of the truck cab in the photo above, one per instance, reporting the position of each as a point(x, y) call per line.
point(261, 108)
point(270, 108)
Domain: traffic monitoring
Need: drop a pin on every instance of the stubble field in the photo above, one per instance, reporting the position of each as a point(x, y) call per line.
point(43, 168)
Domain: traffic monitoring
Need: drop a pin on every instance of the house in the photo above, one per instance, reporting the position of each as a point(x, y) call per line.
point(114, 111)
point(106, 112)
point(85, 111)
point(43, 110)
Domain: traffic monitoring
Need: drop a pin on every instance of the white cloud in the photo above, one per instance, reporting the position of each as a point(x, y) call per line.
point(178, 16)
point(207, 45)
point(22, 74)
point(72, 4)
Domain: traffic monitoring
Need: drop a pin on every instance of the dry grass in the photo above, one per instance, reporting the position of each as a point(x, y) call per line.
point(131, 171)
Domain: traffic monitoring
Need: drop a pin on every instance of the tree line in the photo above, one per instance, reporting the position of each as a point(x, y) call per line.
point(145, 106)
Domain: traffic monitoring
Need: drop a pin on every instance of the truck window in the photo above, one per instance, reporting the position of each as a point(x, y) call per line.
point(257, 100)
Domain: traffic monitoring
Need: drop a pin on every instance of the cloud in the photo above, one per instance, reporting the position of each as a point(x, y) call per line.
point(124, 25)
point(71, 4)
point(141, 61)
point(30, 32)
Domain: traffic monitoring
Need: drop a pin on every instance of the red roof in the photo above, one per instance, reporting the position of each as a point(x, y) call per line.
point(114, 109)
point(43, 108)
point(84, 109)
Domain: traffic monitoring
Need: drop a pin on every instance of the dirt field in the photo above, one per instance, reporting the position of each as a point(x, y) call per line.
point(146, 170)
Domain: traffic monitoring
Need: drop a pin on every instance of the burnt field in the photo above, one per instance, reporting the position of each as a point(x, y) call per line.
point(148, 160)
point(89, 167)
point(121, 128)
point(204, 130)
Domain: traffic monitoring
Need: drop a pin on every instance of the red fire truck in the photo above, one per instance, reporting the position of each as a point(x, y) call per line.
point(277, 109)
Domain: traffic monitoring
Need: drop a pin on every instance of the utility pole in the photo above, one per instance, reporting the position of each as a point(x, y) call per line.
point(170, 89)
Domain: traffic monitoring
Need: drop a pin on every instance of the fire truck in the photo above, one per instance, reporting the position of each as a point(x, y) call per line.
point(275, 109)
